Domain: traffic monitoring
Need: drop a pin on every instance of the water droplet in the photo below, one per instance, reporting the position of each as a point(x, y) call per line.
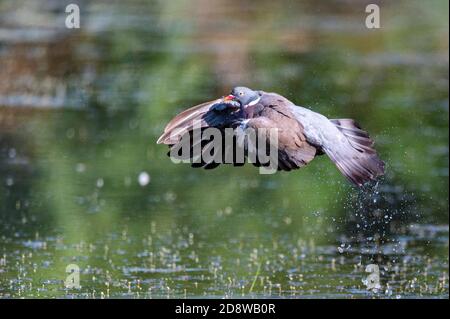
point(80, 168)
point(70, 133)
point(100, 183)
point(9, 181)
point(143, 178)
point(12, 153)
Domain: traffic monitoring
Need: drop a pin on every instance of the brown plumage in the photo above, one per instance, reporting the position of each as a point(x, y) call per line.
point(293, 149)
point(302, 133)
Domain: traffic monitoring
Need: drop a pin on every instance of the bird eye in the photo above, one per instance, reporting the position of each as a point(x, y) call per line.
point(241, 93)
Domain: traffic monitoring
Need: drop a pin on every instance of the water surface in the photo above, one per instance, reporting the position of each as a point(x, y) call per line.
point(82, 181)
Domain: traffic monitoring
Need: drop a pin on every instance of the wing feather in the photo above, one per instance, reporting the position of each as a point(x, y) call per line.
point(184, 122)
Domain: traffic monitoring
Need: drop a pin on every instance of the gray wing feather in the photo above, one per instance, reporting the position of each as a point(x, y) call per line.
point(345, 143)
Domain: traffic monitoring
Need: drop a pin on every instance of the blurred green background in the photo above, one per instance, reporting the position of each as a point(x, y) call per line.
point(82, 180)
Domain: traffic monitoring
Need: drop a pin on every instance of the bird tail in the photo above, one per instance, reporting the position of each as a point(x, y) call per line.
point(358, 161)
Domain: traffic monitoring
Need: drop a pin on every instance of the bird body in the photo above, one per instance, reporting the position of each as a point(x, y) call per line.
point(302, 133)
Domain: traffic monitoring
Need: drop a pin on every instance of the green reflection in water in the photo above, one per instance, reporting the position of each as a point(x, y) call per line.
point(70, 191)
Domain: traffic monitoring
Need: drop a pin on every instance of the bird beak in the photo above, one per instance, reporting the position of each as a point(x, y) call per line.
point(230, 97)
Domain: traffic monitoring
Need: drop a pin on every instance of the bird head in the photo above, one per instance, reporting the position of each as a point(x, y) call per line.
point(244, 96)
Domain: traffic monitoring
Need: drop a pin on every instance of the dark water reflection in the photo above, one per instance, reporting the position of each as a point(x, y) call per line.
point(80, 112)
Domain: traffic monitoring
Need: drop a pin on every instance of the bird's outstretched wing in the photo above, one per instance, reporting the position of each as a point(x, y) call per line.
point(208, 114)
point(357, 159)
point(219, 114)
point(345, 143)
